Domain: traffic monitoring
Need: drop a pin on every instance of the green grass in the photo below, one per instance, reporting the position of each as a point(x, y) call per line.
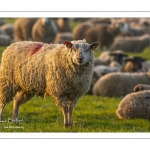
point(91, 114)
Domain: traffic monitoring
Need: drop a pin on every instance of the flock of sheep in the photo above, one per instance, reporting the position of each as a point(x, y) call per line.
point(47, 58)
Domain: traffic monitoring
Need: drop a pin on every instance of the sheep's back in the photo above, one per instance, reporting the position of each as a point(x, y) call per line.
point(23, 63)
point(135, 105)
point(119, 84)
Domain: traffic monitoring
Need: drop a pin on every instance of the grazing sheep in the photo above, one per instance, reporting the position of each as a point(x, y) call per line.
point(63, 71)
point(23, 28)
point(141, 87)
point(119, 83)
point(44, 30)
point(130, 44)
point(135, 105)
point(65, 36)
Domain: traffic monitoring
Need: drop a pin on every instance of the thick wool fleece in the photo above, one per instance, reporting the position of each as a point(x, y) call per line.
point(43, 69)
point(119, 83)
point(135, 105)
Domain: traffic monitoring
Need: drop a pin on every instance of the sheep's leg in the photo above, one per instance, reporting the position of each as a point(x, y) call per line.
point(71, 105)
point(70, 110)
point(20, 98)
point(1, 111)
point(65, 112)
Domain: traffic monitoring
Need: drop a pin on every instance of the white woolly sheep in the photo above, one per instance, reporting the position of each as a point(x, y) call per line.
point(63, 71)
point(44, 30)
point(119, 83)
point(130, 44)
point(135, 105)
point(23, 28)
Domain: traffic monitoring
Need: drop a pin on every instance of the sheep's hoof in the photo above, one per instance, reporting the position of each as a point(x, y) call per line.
point(67, 126)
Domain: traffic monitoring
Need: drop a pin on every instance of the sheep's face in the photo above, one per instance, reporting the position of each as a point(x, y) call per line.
point(81, 51)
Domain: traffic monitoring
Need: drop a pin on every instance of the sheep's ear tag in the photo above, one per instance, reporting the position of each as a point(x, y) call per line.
point(67, 43)
point(94, 45)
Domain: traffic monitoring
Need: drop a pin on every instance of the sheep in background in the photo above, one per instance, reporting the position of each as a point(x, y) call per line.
point(103, 59)
point(102, 69)
point(130, 44)
point(103, 33)
point(119, 83)
point(141, 87)
point(4, 40)
point(117, 56)
point(105, 55)
point(44, 30)
point(23, 28)
point(9, 29)
point(99, 61)
point(2, 21)
point(114, 58)
point(99, 20)
point(80, 29)
point(65, 36)
point(145, 66)
point(30, 68)
point(63, 25)
point(2, 32)
point(133, 64)
point(135, 105)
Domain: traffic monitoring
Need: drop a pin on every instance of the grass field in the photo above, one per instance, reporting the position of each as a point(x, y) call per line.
point(91, 114)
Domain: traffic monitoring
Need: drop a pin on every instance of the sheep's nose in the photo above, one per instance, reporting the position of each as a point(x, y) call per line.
point(80, 60)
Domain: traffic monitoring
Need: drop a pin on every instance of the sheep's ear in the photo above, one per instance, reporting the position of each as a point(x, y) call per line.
point(94, 45)
point(67, 43)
